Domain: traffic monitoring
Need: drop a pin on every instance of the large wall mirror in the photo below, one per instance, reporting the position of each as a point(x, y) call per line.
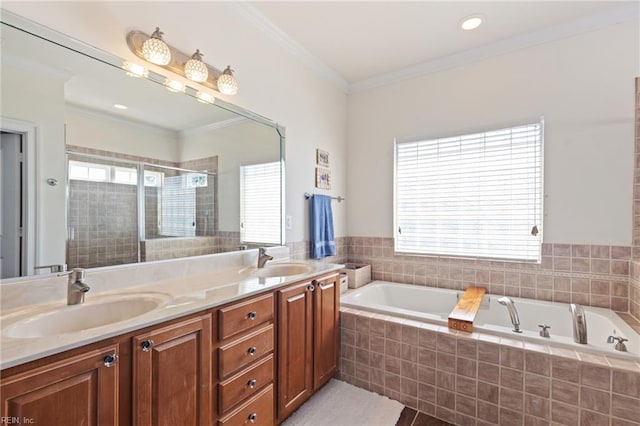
point(100, 168)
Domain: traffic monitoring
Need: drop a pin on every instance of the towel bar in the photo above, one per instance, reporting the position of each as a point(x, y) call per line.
point(339, 198)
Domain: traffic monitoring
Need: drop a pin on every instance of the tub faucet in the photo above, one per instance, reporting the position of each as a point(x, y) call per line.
point(263, 257)
point(579, 320)
point(513, 313)
point(620, 346)
point(76, 287)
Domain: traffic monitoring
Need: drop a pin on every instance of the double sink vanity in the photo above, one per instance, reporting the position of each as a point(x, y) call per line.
point(183, 342)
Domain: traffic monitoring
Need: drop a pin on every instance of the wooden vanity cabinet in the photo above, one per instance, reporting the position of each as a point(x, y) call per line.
point(171, 382)
point(79, 390)
point(252, 361)
point(308, 340)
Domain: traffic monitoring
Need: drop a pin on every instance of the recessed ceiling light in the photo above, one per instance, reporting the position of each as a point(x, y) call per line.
point(471, 22)
point(120, 106)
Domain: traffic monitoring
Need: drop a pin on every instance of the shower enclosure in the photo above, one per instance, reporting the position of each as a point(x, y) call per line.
point(124, 210)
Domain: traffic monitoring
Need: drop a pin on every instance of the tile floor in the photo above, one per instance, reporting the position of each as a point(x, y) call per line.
point(411, 417)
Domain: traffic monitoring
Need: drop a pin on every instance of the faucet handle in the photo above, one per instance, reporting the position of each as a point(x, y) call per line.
point(618, 339)
point(544, 330)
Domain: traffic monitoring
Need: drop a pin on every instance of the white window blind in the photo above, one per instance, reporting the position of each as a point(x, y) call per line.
point(260, 203)
point(477, 195)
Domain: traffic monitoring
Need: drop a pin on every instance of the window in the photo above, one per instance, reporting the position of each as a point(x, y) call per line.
point(477, 195)
point(260, 210)
point(80, 170)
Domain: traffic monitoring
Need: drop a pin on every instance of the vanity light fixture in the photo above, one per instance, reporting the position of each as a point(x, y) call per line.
point(135, 70)
point(195, 69)
point(174, 85)
point(155, 50)
point(191, 67)
point(471, 22)
point(227, 83)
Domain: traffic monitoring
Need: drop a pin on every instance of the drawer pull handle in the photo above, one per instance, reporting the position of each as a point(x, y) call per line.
point(147, 345)
point(311, 287)
point(253, 417)
point(252, 315)
point(252, 350)
point(110, 360)
point(252, 383)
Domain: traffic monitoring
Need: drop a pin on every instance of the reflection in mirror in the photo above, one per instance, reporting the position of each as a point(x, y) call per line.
point(150, 174)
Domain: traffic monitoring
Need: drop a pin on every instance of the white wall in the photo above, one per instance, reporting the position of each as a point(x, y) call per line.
point(102, 132)
point(584, 87)
point(272, 82)
point(245, 143)
point(32, 95)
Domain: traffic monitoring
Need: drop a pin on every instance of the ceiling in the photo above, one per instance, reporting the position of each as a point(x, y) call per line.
point(366, 41)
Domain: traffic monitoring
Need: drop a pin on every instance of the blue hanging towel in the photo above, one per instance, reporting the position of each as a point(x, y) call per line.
point(322, 243)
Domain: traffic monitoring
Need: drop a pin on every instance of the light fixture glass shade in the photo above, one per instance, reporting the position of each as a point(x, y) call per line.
point(227, 83)
point(195, 69)
point(155, 50)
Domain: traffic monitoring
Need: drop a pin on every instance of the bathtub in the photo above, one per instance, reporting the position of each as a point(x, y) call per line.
point(433, 305)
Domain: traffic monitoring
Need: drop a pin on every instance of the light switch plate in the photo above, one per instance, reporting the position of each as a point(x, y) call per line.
point(288, 221)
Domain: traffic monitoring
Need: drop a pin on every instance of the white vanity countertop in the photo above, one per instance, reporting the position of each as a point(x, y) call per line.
point(178, 296)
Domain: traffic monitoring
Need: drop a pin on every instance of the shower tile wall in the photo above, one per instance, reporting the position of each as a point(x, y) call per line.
point(103, 217)
point(175, 247)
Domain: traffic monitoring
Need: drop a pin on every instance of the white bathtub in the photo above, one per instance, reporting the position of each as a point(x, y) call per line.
point(434, 305)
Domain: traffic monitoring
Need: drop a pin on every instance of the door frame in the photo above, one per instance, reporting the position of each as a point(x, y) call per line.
point(29, 133)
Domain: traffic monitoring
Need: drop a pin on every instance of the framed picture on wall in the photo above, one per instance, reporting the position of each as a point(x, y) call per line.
point(323, 178)
point(322, 158)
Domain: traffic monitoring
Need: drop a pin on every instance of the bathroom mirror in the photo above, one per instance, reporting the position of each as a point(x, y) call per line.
point(99, 167)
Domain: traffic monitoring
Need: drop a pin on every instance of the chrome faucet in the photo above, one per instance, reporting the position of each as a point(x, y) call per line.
point(579, 320)
point(620, 346)
point(263, 257)
point(513, 313)
point(76, 287)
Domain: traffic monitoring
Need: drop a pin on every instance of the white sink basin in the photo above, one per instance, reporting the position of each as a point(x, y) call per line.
point(282, 270)
point(96, 312)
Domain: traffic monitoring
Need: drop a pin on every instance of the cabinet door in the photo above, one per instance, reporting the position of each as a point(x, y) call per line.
point(295, 340)
point(172, 375)
point(82, 390)
point(326, 330)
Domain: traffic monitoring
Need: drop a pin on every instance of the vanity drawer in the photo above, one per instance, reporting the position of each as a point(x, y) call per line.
point(242, 316)
point(241, 352)
point(245, 384)
point(257, 411)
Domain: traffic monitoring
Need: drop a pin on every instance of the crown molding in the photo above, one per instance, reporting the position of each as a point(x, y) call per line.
point(285, 41)
point(593, 22)
point(578, 26)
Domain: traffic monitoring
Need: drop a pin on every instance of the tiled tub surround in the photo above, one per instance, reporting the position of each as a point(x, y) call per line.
point(593, 275)
point(433, 305)
point(482, 379)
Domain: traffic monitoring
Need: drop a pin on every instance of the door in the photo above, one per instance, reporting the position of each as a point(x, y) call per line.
point(82, 390)
point(326, 344)
point(12, 246)
point(172, 375)
point(295, 345)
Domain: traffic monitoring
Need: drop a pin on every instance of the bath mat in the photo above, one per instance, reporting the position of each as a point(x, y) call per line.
point(342, 404)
